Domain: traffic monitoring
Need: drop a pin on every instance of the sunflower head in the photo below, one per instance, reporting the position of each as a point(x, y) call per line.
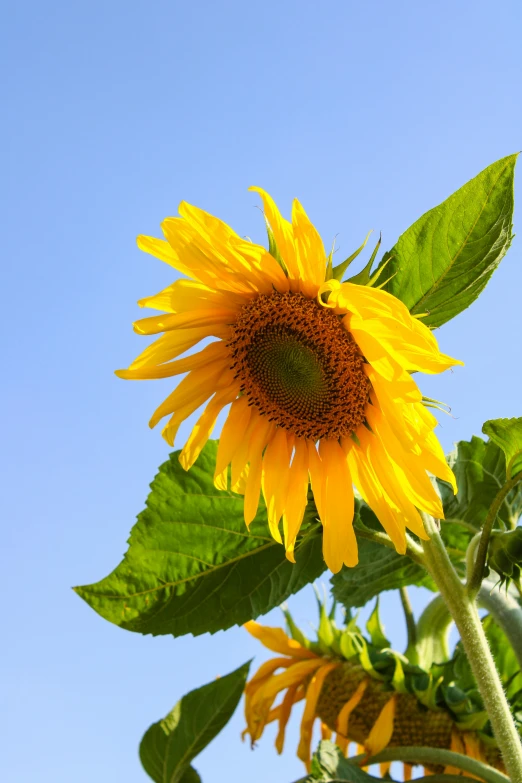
point(361, 693)
point(316, 371)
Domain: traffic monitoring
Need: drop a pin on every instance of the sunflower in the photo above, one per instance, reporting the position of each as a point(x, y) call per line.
point(317, 374)
point(362, 695)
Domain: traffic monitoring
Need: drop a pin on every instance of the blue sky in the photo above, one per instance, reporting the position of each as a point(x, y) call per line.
point(370, 113)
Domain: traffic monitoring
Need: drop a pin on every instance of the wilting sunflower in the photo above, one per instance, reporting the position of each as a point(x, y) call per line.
point(361, 694)
point(317, 374)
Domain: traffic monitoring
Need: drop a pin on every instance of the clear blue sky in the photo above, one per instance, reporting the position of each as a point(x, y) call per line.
point(114, 111)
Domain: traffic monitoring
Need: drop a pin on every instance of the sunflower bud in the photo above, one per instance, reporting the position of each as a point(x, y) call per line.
point(505, 555)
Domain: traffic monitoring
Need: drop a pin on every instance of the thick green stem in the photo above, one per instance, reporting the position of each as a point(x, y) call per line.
point(464, 612)
point(411, 627)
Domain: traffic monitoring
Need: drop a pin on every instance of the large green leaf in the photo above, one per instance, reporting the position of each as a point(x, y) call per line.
point(379, 568)
point(192, 566)
point(480, 470)
point(168, 746)
point(507, 434)
point(443, 261)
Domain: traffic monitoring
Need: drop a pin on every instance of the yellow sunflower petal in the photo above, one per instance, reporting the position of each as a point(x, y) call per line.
point(195, 361)
point(349, 707)
point(283, 233)
point(197, 383)
point(261, 435)
point(202, 429)
point(382, 730)
point(288, 702)
point(310, 251)
point(171, 345)
point(232, 434)
point(276, 460)
point(276, 639)
point(297, 497)
point(337, 501)
point(312, 695)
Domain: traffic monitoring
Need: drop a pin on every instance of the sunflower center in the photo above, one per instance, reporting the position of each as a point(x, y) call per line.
point(299, 366)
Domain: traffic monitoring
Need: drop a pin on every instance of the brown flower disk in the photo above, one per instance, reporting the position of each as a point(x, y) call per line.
point(299, 366)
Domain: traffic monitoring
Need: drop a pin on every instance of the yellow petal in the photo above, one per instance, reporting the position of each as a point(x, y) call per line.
point(197, 384)
point(232, 434)
point(261, 435)
point(309, 250)
point(195, 361)
point(275, 479)
point(190, 320)
point(283, 234)
point(202, 429)
point(275, 639)
point(382, 730)
point(288, 702)
point(337, 501)
point(312, 695)
point(297, 496)
point(172, 344)
point(373, 493)
point(349, 707)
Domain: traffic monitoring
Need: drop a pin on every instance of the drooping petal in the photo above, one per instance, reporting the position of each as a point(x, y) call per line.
point(276, 462)
point(199, 382)
point(349, 707)
point(312, 695)
point(173, 344)
point(277, 640)
point(337, 501)
point(202, 429)
point(294, 693)
point(233, 433)
point(297, 497)
point(261, 435)
point(195, 361)
point(382, 730)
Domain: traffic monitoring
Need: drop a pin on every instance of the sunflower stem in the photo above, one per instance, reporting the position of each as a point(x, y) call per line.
point(411, 627)
point(463, 609)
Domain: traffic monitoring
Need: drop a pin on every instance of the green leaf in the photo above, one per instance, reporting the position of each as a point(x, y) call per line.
point(168, 746)
point(379, 569)
point(507, 434)
point(190, 776)
point(192, 566)
point(444, 260)
point(329, 766)
point(480, 470)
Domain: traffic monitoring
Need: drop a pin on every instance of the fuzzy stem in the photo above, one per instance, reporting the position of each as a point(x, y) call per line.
point(411, 627)
point(464, 612)
point(435, 756)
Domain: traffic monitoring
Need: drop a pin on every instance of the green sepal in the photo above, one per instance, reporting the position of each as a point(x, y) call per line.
point(399, 680)
point(339, 270)
point(295, 632)
point(273, 248)
point(364, 276)
point(505, 554)
point(375, 628)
